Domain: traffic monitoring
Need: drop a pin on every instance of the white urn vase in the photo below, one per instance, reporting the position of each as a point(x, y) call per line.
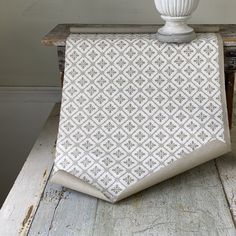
point(176, 13)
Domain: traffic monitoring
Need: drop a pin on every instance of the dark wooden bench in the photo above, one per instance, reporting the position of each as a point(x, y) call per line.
point(57, 37)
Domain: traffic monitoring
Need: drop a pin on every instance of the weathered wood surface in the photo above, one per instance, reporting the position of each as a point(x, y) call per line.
point(190, 204)
point(21, 204)
point(58, 35)
point(226, 167)
point(51, 218)
point(230, 59)
point(229, 89)
point(198, 202)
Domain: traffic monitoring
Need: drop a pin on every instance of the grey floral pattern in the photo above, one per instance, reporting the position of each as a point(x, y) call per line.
point(132, 105)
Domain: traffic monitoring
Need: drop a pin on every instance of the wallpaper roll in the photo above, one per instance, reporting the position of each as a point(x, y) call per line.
point(136, 111)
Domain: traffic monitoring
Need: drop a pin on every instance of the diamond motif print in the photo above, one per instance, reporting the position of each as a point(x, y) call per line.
point(132, 105)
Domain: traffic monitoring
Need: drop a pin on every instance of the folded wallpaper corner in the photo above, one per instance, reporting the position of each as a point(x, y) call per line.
point(136, 111)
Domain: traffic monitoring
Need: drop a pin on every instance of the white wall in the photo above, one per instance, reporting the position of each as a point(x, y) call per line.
point(20, 127)
point(23, 112)
point(24, 22)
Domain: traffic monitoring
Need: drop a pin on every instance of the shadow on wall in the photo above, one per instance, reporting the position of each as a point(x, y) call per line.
point(20, 127)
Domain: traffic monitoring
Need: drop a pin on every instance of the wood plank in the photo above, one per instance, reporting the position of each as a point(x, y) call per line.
point(230, 59)
point(63, 212)
point(227, 171)
point(74, 215)
point(190, 204)
point(22, 202)
point(43, 218)
point(229, 88)
point(58, 35)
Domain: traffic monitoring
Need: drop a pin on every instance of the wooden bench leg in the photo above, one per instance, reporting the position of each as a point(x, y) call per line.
point(229, 86)
point(62, 78)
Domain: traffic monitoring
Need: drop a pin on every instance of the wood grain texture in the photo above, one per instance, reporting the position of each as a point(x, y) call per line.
point(81, 222)
point(190, 204)
point(58, 35)
point(230, 59)
point(198, 202)
point(63, 212)
point(227, 172)
point(21, 204)
point(229, 88)
point(49, 202)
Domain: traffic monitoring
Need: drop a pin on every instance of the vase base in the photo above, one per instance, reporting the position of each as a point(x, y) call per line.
point(176, 38)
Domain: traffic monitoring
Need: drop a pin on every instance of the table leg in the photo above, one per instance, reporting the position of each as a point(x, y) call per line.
point(62, 78)
point(229, 86)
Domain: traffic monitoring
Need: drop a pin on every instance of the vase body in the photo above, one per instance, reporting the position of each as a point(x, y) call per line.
point(176, 13)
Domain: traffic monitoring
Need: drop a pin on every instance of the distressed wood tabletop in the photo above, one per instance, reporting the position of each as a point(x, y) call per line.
point(201, 201)
point(58, 35)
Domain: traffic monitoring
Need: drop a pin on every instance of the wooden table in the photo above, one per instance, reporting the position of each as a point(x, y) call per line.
point(199, 202)
point(57, 37)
